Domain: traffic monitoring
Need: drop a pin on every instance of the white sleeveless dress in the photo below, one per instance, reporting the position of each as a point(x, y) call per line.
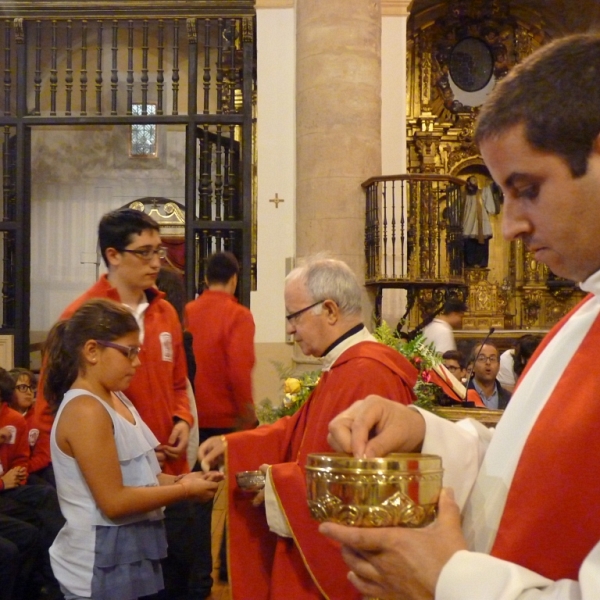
point(97, 557)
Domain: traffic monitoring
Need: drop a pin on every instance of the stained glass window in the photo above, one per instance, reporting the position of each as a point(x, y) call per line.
point(143, 137)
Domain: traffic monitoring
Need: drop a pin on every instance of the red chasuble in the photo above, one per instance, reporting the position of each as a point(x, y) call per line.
point(262, 564)
point(551, 520)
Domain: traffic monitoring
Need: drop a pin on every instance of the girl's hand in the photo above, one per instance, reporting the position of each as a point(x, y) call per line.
point(213, 476)
point(201, 486)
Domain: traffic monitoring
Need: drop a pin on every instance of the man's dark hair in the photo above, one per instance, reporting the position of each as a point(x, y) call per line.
point(170, 282)
point(555, 95)
point(7, 386)
point(116, 228)
point(454, 305)
point(221, 267)
point(457, 356)
point(524, 349)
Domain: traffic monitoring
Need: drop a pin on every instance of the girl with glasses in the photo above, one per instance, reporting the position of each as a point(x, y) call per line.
point(25, 387)
point(110, 487)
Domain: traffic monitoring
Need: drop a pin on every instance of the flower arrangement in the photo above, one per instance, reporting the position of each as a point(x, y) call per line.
point(422, 356)
point(297, 389)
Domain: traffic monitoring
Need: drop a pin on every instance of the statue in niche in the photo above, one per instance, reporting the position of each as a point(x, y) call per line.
point(477, 228)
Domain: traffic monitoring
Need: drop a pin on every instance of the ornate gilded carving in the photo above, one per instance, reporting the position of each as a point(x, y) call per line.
point(425, 64)
point(427, 148)
point(192, 30)
point(19, 31)
point(464, 148)
point(524, 42)
point(518, 292)
point(483, 300)
point(247, 31)
point(398, 509)
point(532, 303)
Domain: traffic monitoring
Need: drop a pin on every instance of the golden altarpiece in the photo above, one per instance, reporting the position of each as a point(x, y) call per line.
point(457, 51)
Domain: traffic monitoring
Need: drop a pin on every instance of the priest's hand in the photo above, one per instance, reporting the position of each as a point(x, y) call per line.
point(211, 451)
point(393, 427)
point(398, 562)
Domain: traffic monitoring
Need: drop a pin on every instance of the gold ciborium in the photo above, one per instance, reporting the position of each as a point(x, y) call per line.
point(398, 490)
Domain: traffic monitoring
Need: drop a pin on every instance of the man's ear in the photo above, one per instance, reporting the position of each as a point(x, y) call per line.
point(596, 145)
point(233, 283)
point(113, 256)
point(331, 310)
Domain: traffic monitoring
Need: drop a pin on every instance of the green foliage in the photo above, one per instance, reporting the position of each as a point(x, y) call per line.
point(296, 390)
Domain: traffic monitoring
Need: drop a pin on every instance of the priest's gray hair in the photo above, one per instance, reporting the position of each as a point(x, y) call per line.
point(330, 279)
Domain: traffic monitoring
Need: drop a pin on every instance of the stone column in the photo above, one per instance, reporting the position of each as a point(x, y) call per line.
point(338, 124)
point(393, 118)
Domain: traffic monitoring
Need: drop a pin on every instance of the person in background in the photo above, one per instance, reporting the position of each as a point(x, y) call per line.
point(440, 332)
point(19, 547)
point(514, 360)
point(170, 281)
point(36, 505)
point(109, 481)
point(23, 402)
point(453, 391)
point(455, 362)
point(486, 364)
point(522, 522)
point(25, 390)
point(223, 344)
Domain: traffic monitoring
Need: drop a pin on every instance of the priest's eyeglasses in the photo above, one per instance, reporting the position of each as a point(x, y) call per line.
point(131, 352)
point(147, 254)
point(291, 318)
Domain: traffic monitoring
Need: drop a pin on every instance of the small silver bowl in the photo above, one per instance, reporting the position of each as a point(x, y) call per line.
point(250, 481)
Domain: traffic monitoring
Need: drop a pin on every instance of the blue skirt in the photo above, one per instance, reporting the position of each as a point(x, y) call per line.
point(127, 560)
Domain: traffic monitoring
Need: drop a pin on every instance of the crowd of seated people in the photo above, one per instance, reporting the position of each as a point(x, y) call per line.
point(30, 516)
point(489, 376)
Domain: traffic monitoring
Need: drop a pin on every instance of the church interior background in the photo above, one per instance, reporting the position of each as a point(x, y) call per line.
point(278, 129)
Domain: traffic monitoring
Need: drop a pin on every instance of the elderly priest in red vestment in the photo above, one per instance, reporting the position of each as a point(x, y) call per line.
point(276, 551)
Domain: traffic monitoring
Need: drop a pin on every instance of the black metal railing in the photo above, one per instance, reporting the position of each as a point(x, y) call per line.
point(82, 67)
point(413, 230)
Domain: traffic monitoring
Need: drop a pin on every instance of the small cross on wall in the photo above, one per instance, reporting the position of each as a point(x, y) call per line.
point(277, 200)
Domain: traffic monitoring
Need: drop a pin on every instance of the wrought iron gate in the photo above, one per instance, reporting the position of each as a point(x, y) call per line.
point(73, 63)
